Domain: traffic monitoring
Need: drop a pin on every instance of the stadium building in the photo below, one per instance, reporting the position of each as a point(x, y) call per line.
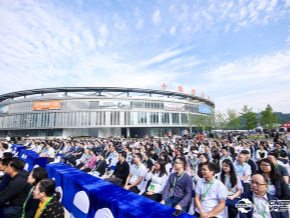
point(99, 111)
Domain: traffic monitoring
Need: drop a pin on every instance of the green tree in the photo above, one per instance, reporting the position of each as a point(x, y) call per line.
point(269, 119)
point(200, 121)
point(248, 118)
point(221, 120)
point(233, 119)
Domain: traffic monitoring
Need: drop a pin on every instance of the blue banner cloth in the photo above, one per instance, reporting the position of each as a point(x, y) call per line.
point(17, 148)
point(102, 194)
point(32, 158)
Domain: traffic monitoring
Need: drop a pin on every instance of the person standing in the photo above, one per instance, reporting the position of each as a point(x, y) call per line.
point(210, 194)
point(178, 190)
point(260, 200)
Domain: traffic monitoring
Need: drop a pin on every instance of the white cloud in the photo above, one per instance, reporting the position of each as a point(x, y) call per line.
point(140, 24)
point(156, 17)
point(227, 28)
point(172, 31)
point(103, 31)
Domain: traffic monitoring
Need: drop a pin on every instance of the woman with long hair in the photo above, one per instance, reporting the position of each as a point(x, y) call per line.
point(233, 183)
point(158, 177)
point(49, 205)
point(276, 185)
point(91, 162)
point(261, 152)
point(203, 158)
point(30, 205)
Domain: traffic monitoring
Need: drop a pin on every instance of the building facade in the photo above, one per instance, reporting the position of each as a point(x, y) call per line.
point(99, 111)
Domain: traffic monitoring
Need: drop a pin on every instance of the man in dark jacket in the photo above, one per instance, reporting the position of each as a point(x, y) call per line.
point(5, 178)
point(17, 190)
point(260, 200)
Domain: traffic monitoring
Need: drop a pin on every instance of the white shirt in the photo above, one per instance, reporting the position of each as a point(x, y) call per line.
point(218, 191)
point(158, 182)
point(136, 172)
point(231, 191)
point(288, 137)
point(272, 188)
point(261, 202)
point(259, 153)
point(50, 152)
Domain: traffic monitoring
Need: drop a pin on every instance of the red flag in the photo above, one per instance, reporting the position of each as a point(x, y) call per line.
point(202, 94)
point(180, 88)
point(193, 91)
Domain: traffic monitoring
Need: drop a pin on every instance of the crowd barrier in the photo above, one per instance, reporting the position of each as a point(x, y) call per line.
point(84, 195)
point(32, 159)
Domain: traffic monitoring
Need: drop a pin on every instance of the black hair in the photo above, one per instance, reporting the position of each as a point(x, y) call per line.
point(17, 164)
point(273, 174)
point(139, 156)
point(246, 152)
point(123, 154)
point(103, 154)
point(166, 158)
point(210, 166)
point(264, 177)
point(216, 154)
point(225, 148)
point(6, 161)
point(162, 164)
point(5, 146)
point(274, 154)
point(48, 187)
point(38, 174)
point(147, 154)
point(183, 161)
point(7, 155)
point(232, 173)
point(127, 147)
point(205, 156)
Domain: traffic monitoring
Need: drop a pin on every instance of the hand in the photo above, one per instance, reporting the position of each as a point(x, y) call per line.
point(150, 193)
point(230, 197)
point(192, 175)
point(162, 202)
point(113, 176)
point(127, 187)
point(178, 207)
point(203, 215)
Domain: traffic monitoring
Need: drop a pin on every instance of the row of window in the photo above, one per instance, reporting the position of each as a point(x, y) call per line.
point(89, 104)
point(94, 118)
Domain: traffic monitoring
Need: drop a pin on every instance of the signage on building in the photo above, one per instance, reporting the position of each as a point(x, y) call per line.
point(4, 109)
point(174, 106)
point(204, 109)
point(115, 104)
point(46, 105)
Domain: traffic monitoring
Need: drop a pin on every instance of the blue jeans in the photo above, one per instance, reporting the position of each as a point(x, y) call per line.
point(232, 210)
point(173, 201)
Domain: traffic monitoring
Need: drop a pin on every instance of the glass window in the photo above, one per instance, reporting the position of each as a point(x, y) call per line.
point(175, 118)
point(142, 118)
point(184, 119)
point(154, 118)
point(165, 118)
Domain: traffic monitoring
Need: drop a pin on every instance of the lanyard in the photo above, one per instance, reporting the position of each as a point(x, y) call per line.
point(228, 182)
point(204, 195)
point(276, 166)
point(193, 165)
point(135, 171)
point(24, 205)
point(174, 183)
point(99, 165)
point(44, 207)
point(262, 213)
point(241, 168)
point(269, 183)
point(155, 178)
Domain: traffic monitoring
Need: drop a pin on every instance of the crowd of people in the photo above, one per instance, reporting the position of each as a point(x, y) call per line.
point(201, 173)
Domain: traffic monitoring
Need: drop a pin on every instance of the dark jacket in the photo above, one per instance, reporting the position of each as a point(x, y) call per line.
point(17, 190)
point(122, 171)
point(274, 214)
point(101, 168)
point(31, 207)
point(252, 165)
point(282, 190)
point(5, 181)
point(148, 164)
point(53, 210)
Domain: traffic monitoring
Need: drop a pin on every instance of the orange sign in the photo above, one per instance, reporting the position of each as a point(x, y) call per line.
point(46, 105)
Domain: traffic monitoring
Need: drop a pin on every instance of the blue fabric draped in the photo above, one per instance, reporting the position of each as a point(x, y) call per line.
point(32, 159)
point(102, 194)
point(17, 148)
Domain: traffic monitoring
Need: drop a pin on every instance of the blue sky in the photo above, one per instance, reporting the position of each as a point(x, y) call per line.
point(238, 52)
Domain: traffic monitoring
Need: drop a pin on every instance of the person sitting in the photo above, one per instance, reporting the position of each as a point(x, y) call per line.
point(113, 157)
point(100, 169)
point(89, 165)
point(121, 171)
point(178, 190)
point(260, 200)
point(84, 158)
point(5, 178)
point(244, 170)
point(147, 161)
point(16, 191)
point(281, 170)
point(49, 205)
point(233, 183)
point(49, 153)
point(282, 155)
point(249, 161)
point(76, 154)
point(137, 173)
point(216, 161)
point(261, 152)
point(225, 154)
point(30, 205)
point(276, 185)
point(210, 194)
point(158, 177)
point(203, 158)
point(153, 155)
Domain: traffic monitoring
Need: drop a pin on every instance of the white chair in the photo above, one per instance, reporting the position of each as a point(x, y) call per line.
point(26, 166)
point(35, 166)
point(59, 189)
point(104, 213)
point(81, 205)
